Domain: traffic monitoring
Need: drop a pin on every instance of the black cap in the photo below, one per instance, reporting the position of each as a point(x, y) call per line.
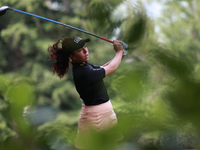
point(72, 43)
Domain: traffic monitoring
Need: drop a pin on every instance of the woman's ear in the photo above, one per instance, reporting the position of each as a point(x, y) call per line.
point(72, 57)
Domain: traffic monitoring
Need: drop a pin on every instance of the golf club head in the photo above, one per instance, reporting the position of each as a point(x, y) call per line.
point(3, 10)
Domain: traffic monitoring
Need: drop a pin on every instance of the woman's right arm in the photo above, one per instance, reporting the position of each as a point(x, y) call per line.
point(114, 64)
point(106, 64)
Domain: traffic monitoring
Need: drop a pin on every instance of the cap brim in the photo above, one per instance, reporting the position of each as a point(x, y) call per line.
point(87, 40)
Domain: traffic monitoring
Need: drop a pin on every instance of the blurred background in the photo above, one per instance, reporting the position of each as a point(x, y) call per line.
point(155, 92)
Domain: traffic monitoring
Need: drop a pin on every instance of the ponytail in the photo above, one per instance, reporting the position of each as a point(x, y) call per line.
point(62, 63)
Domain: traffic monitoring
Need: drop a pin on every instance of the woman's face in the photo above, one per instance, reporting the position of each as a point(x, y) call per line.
point(81, 55)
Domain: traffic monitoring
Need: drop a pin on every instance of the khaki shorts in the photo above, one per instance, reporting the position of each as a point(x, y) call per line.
point(96, 118)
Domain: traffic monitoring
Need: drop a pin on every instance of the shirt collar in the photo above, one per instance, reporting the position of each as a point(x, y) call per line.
point(80, 64)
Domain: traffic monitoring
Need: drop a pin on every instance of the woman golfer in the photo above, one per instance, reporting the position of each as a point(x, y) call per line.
point(97, 112)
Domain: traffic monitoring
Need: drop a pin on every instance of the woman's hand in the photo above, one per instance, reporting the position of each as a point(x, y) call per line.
point(117, 46)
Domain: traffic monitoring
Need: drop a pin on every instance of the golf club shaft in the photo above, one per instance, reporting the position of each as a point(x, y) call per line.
point(69, 26)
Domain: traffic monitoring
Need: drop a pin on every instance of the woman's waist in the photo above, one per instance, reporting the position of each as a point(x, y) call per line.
point(101, 108)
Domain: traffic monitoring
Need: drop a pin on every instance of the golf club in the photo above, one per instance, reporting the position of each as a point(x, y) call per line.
point(3, 10)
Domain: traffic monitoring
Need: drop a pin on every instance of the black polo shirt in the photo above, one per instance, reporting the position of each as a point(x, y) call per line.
point(88, 80)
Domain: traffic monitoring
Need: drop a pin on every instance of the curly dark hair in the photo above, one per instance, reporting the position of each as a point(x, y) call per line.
point(62, 63)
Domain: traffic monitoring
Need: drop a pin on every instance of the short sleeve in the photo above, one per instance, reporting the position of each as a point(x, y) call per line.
point(95, 66)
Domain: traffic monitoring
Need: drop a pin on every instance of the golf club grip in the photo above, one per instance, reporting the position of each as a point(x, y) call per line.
point(106, 39)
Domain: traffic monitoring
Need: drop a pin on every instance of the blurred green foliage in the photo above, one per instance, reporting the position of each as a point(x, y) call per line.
point(154, 92)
